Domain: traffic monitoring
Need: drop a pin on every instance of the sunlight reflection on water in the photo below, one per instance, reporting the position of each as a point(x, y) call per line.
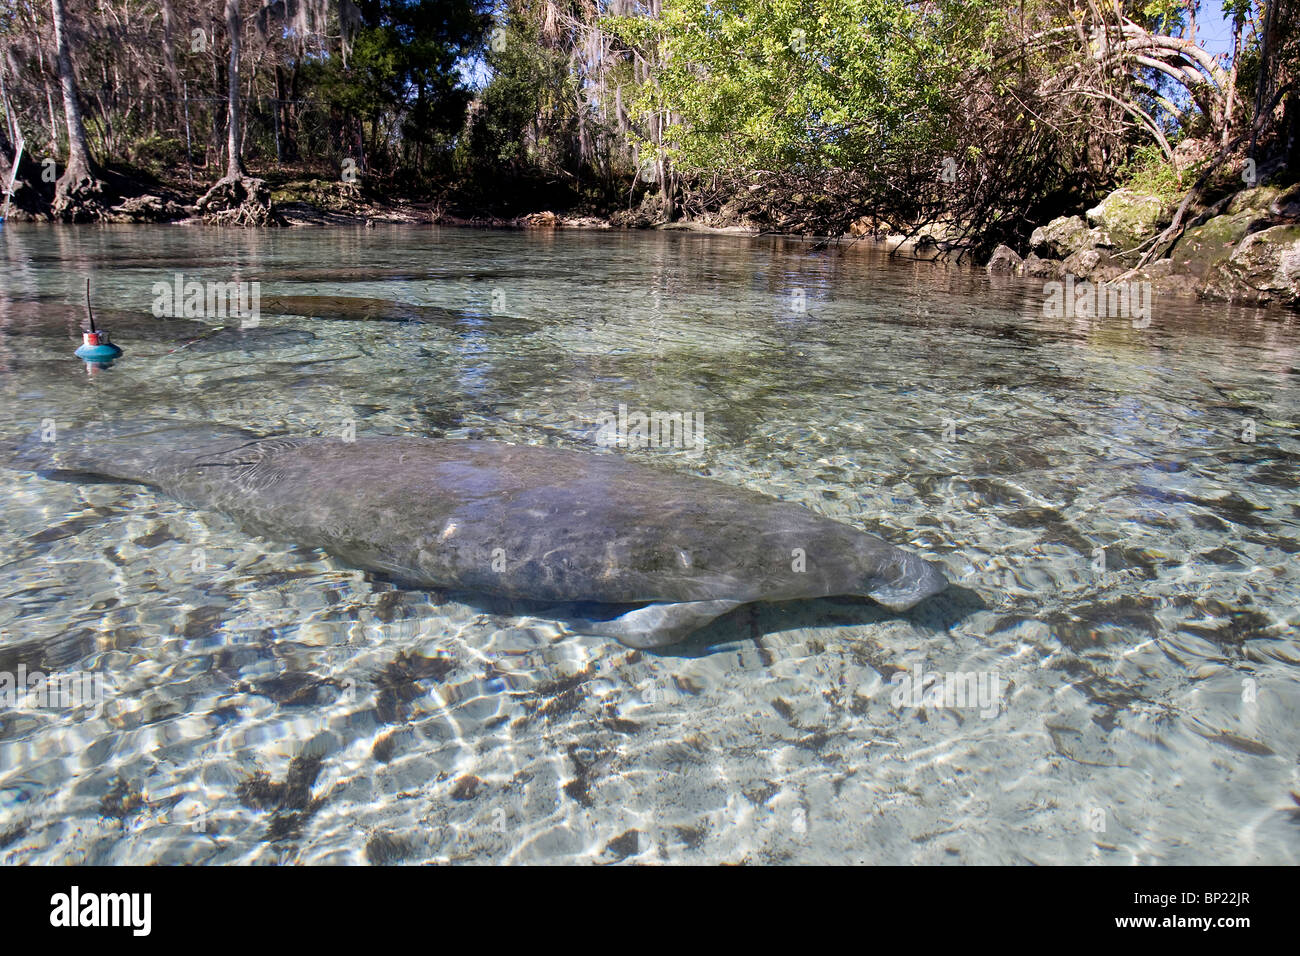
point(1124, 561)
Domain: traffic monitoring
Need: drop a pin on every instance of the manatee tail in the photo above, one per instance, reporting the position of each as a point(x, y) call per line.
point(136, 451)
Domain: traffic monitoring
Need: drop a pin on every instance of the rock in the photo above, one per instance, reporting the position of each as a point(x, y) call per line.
point(1126, 217)
point(1060, 238)
point(1093, 264)
point(863, 226)
point(1005, 261)
point(1253, 200)
point(1202, 249)
point(585, 222)
point(1175, 284)
point(1264, 268)
point(1042, 268)
point(1287, 205)
point(1164, 281)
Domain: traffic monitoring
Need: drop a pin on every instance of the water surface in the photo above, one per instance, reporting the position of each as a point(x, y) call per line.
point(1116, 505)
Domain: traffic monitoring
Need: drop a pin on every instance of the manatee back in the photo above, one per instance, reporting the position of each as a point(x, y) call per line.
point(535, 522)
point(516, 520)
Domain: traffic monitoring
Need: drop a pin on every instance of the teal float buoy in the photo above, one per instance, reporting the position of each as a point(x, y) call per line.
point(96, 350)
point(95, 347)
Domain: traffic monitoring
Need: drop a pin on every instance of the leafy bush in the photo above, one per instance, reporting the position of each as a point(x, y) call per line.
point(1149, 172)
point(157, 152)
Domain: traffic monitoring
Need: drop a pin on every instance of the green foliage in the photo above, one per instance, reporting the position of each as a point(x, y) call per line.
point(818, 113)
point(1149, 172)
point(543, 131)
point(528, 108)
point(769, 84)
point(157, 152)
point(1166, 15)
point(402, 66)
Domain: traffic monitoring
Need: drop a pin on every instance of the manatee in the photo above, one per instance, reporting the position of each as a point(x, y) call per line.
point(358, 309)
point(58, 321)
point(54, 319)
point(253, 339)
point(658, 554)
point(387, 274)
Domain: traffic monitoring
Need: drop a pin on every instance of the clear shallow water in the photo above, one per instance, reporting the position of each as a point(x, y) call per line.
point(1125, 567)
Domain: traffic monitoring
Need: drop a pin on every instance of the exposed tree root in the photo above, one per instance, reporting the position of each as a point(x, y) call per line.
point(238, 201)
point(78, 198)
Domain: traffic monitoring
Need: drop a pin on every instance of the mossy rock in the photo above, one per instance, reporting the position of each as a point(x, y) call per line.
point(1042, 268)
point(1060, 238)
point(1204, 248)
point(1253, 200)
point(1175, 284)
point(1093, 264)
point(1127, 216)
point(1005, 261)
point(1264, 268)
point(1287, 204)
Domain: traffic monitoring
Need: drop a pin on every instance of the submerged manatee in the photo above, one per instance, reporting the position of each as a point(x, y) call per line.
point(254, 339)
point(410, 274)
point(357, 309)
point(57, 321)
point(518, 521)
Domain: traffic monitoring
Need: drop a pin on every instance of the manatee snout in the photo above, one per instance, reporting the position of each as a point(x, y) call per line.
point(904, 581)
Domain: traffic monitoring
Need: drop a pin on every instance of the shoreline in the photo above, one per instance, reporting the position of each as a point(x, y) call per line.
point(1063, 248)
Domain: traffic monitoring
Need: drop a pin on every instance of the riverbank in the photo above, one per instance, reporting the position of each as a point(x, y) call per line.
point(1222, 230)
point(1244, 249)
point(1220, 239)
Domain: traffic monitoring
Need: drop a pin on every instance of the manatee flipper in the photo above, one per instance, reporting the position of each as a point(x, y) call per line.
point(657, 625)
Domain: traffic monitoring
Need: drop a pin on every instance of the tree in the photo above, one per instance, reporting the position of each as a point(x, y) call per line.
point(400, 83)
point(837, 110)
point(75, 191)
point(234, 139)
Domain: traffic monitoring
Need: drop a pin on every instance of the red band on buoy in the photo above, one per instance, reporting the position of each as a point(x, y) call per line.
point(89, 338)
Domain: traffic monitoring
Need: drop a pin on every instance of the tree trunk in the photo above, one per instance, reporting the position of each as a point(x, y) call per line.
point(1263, 85)
point(234, 142)
point(6, 151)
point(1228, 108)
point(236, 199)
point(169, 52)
point(73, 191)
point(9, 130)
point(49, 97)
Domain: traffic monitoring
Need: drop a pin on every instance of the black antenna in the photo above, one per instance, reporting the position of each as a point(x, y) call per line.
point(89, 312)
